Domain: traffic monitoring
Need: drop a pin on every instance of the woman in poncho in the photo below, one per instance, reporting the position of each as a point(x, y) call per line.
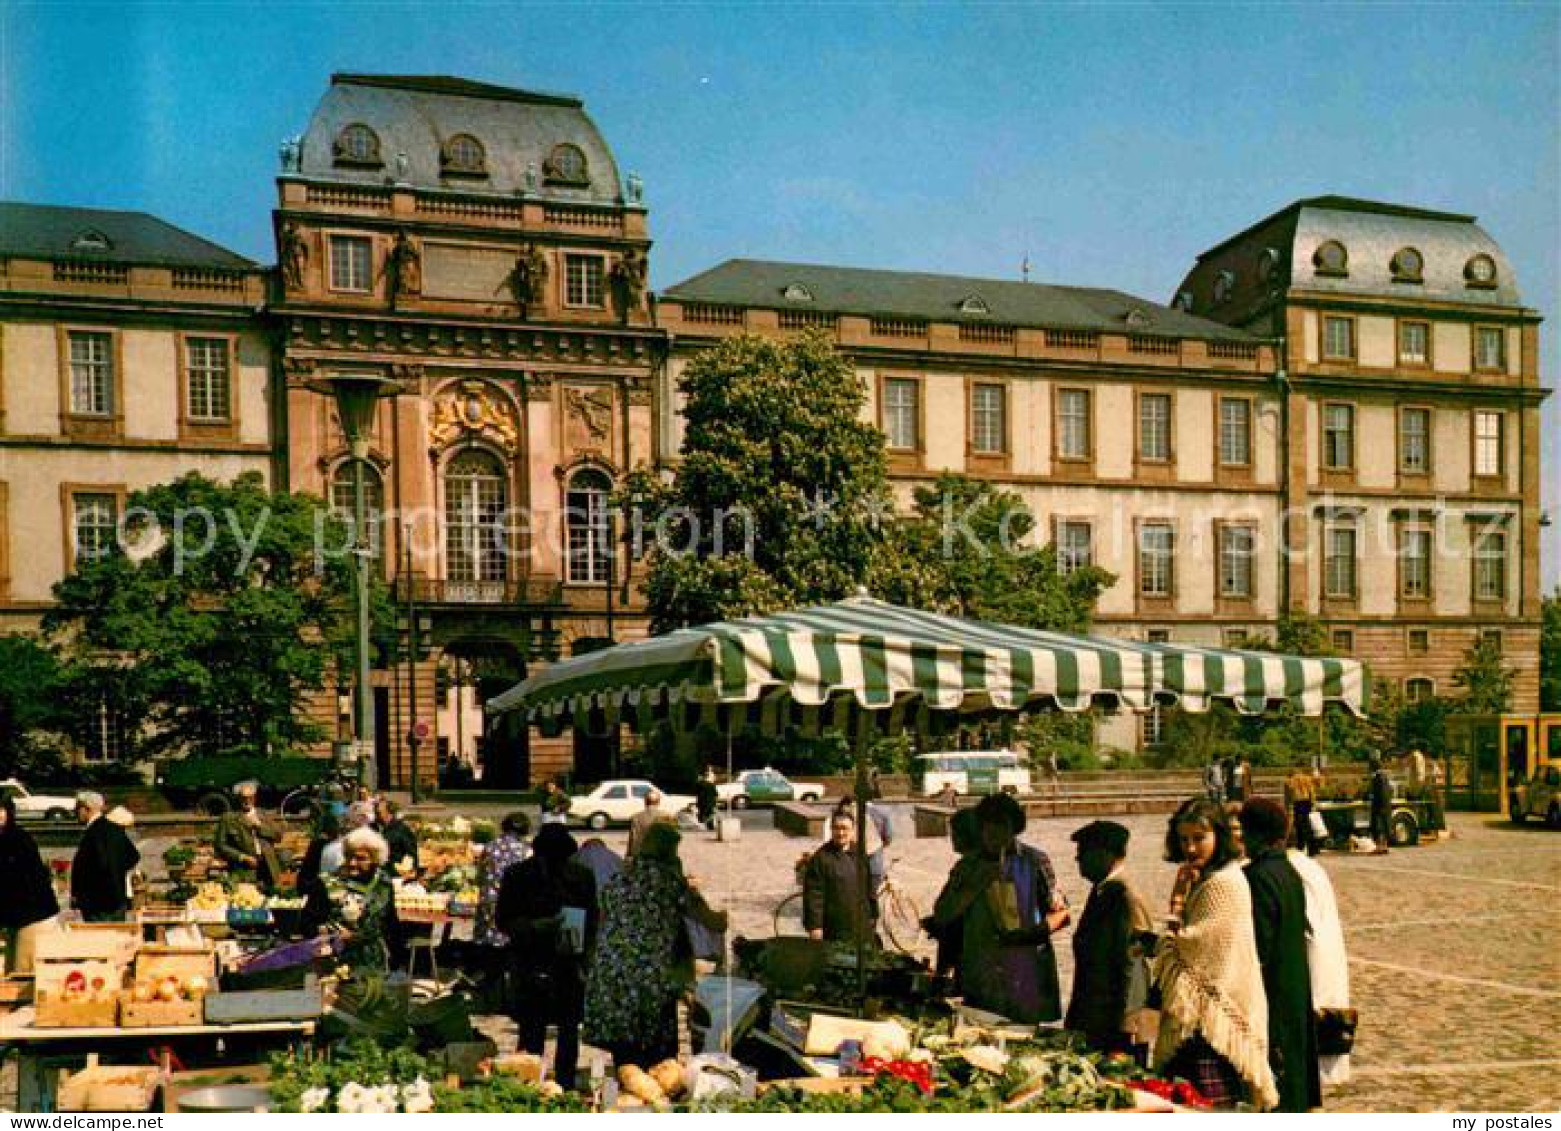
point(1213, 1013)
point(358, 903)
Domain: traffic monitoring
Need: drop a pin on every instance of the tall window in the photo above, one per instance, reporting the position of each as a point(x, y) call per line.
point(351, 264)
point(588, 526)
point(989, 419)
point(1339, 436)
point(1075, 545)
point(91, 373)
point(1339, 563)
point(1151, 726)
point(95, 523)
point(1490, 566)
point(475, 499)
point(1156, 559)
point(1073, 438)
point(1419, 689)
point(902, 414)
point(1487, 444)
point(1490, 347)
point(585, 281)
point(1414, 343)
point(1414, 441)
point(206, 383)
point(342, 494)
point(1235, 432)
point(1154, 427)
point(1338, 338)
point(1415, 564)
point(1237, 549)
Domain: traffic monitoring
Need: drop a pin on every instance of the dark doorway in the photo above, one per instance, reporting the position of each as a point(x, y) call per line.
point(382, 736)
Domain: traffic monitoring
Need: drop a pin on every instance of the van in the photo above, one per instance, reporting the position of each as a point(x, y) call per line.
point(974, 772)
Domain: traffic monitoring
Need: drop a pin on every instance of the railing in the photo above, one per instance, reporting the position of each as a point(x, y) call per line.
point(207, 279)
point(471, 209)
point(338, 196)
point(68, 272)
point(1151, 343)
point(568, 217)
point(1233, 351)
point(985, 334)
point(708, 315)
point(1072, 339)
point(898, 328)
point(808, 320)
point(525, 591)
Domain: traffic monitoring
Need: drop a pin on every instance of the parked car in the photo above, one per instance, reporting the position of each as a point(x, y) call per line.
point(760, 787)
point(616, 802)
point(1539, 797)
point(38, 806)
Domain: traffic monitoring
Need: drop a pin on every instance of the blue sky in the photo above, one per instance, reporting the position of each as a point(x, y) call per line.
point(1108, 142)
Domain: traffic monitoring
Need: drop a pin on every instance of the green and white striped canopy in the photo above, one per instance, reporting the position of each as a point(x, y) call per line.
point(819, 666)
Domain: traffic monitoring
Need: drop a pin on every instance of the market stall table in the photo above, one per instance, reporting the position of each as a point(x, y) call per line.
point(37, 1049)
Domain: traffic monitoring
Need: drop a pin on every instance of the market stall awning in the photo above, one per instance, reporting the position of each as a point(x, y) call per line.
point(822, 664)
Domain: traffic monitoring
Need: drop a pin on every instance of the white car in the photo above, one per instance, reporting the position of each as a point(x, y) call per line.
point(756, 787)
point(616, 802)
point(37, 806)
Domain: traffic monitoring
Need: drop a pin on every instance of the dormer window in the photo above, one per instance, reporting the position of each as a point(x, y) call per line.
point(1268, 265)
point(566, 166)
point(1224, 284)
point(1408, 266)
point(1480, 271)
point(1331, 259)
point(796, 292)
point(464, 156)
point(90, 241)
point(358, 145)
point(974, 304)
point(1183, 301)
point(1137, 319)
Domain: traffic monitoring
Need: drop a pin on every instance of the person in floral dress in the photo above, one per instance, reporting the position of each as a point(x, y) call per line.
point(358, 903)
point(497, 858)
point(643, 963)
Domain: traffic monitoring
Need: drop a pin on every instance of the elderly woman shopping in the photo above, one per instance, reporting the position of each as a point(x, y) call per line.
point(358, 902)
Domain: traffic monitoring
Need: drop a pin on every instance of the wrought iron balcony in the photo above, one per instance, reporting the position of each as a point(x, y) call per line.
point(534, 592)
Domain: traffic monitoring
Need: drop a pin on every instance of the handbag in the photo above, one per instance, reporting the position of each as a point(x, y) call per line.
point(1336, 1031)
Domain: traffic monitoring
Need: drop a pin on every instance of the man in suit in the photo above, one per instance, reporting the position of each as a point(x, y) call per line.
point(246, 839)
point(104, 861)
point(644, 819)
point(1106, 942)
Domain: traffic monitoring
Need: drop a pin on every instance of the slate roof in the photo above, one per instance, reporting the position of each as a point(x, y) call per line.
point(940, 298)
point(49, 231)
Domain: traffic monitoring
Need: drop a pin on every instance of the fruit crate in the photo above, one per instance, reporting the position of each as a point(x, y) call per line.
point(159, 1014)
point(157, 961)
point(108, 1087)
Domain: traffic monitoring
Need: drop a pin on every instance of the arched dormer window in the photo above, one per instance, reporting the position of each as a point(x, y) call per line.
point(1224, 285)
point(464, 155)
point(586, 524)
point(974, 304)
point(358, 145)
point(566, 165)
point(1408, 266)
point(91, 240)
point(476, 497)
point(1331, 258)
point(797, 292)
point(1480, 271)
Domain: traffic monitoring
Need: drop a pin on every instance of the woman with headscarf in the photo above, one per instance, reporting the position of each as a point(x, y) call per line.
point(537, 899)
point(643, 963)
point(358, 903)
point(30, 904)
point(1006, 897)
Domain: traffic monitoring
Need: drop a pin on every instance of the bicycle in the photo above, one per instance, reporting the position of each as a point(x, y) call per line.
point(898, 915)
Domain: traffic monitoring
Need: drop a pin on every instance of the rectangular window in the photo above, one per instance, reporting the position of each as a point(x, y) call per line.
point(352, 261)
point(1414, 441)
point(1075, 545)
point(1417, 641)
point(94, 524)
point(1488, 444)
point(1152, 726)
point(902, 413)
point(206, 378)
point(1339, 437)
point(1339, 563)
point(1490, 347)
point(1414, 343)
point(1338, 339)
point(989, 419)
point(1156, 559)
point(1491, 638)
point(1073, 438)
point(1490, 566)
point(1154, 427)
point(91, 373)
point(1235, 432)
point(1343, 640)
point(585, 281)
point(1158, 636)
point(1415, 564)
point(1234, 638)
point(1237, 549)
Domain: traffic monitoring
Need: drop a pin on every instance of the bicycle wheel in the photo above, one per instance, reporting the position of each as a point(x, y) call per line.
point(899, 918)
point(299, 803)
point(788, 917)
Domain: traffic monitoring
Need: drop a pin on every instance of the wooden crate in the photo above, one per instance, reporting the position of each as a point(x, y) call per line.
point(176, 1084)
point(108, 1087)
point(109, 941)
point(265, 1005)
point(156, 961)
point(15, 991)
point(56, 1013)
point(160, 1014)
point(51, 974)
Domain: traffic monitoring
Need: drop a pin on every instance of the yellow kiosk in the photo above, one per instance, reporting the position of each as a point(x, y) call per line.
point(1489, 755)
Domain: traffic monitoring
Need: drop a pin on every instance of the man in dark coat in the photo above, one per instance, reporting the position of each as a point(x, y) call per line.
point(398, 835)
point(549, 965)
point(246, 839)
point(1279, 921)
point(1114, 924)
point(835, 899)
point(1380, 792)
point(104, 860)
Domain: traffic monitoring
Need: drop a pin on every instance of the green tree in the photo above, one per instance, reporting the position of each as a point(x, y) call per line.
point(1485, 681)
point(226, 610)
point(1550, 653)
point(29, 697)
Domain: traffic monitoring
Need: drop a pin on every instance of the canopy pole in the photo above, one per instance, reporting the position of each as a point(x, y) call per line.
point(864, 734)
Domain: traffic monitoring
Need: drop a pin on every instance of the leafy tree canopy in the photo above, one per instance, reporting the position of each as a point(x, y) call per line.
point(1550, 653)
point(1485, 682)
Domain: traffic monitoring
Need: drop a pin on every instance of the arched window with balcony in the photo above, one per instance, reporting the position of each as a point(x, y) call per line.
point(342, 494)
point(586, 523)
point(475, 500)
